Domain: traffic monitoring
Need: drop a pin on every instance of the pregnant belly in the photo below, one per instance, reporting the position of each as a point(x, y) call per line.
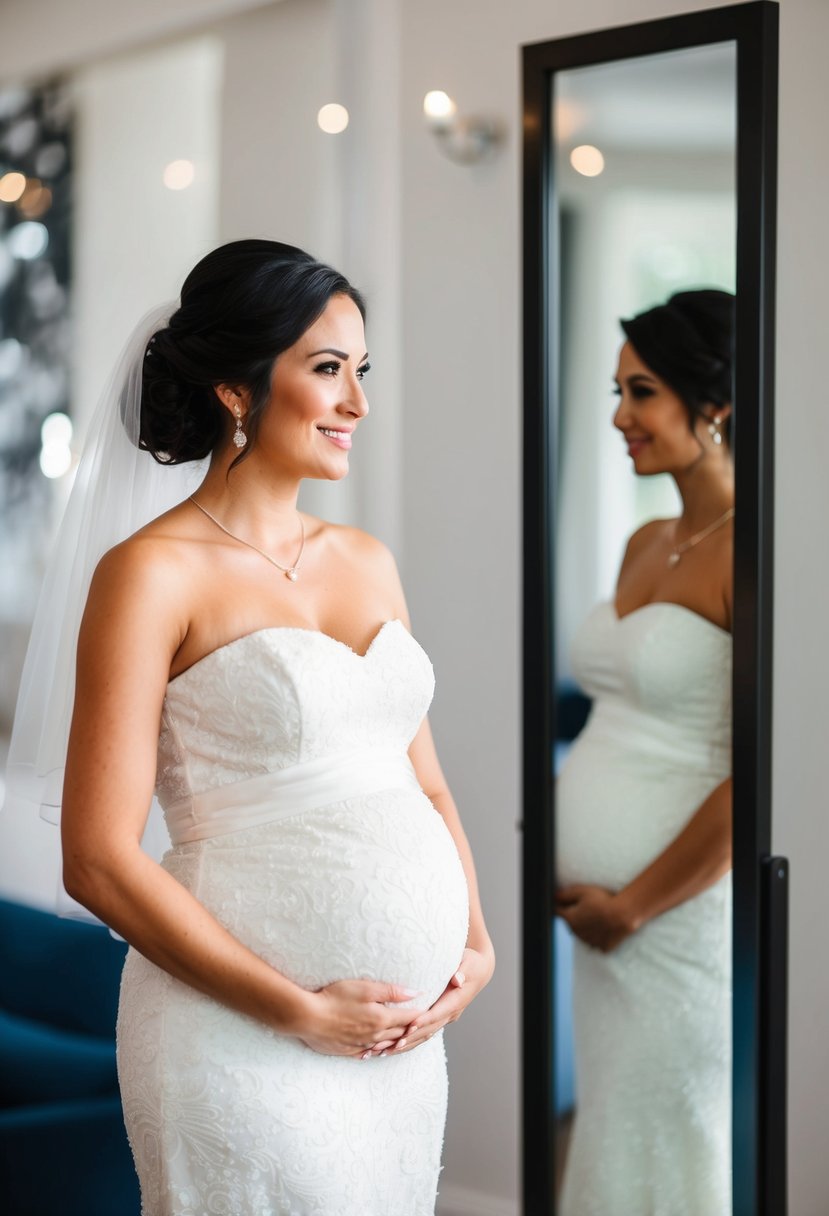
point(617, 809)
point(371, 887)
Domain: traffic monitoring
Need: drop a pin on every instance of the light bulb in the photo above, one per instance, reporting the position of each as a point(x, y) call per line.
point(439, 108)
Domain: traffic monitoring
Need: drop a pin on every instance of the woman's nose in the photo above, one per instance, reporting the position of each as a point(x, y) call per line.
point(356, 402)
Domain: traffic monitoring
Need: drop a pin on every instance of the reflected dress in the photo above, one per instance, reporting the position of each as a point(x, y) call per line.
point(297, 820)
point(652, 1018)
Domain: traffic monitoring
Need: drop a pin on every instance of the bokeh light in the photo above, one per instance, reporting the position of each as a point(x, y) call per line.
point(55, 436)
point(179, 174)
point(587, 160)
point(438, 105)
point(332, 118)
point(12, 186)
point(56, 428)
point(55, 459)
point(28, 240)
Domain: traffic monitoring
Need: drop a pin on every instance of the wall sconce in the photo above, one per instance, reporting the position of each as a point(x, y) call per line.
point(464, 140)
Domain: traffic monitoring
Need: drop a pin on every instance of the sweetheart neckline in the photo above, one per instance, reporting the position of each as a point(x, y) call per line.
point(668, 604)
point(287, 629)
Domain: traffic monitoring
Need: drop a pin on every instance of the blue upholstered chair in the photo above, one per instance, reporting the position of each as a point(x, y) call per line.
point(572, 710)
point(63, 1147)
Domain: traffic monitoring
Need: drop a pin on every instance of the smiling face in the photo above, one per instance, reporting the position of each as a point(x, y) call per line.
point(317, 397)
point(654, 419)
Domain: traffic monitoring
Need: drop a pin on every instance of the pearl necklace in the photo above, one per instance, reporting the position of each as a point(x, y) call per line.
point(290, 572)
point(678, 550)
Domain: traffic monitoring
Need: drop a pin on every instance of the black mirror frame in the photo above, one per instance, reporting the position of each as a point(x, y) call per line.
point(759, 1068)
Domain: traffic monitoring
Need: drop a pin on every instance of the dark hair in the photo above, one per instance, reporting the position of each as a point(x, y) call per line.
point(242, 305)
point(689, 343)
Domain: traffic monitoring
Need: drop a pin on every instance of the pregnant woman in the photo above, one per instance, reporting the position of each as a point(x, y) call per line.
point(316, 924)
point(644, 802)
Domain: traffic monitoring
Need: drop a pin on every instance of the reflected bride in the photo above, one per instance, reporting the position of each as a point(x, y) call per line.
point(644, 801)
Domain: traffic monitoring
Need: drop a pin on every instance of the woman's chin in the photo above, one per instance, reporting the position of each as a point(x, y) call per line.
point(643, 467)
point(328, 474)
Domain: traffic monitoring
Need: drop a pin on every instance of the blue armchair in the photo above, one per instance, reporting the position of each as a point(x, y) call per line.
point(63, 1147)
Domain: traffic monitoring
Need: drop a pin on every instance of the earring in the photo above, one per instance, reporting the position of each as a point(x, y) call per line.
point(714, 429)
point(239, 436)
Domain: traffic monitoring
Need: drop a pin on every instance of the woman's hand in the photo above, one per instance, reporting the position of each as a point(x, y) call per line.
point(351, 1017)
point(597, 916)
point(473, 974)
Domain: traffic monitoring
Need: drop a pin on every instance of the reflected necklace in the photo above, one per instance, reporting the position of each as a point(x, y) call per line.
point(678, 550)
point(289, 571)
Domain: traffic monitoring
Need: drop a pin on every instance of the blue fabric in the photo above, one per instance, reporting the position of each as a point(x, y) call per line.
point(39, 1063)
point(564, 1078)
point(573, 708)
point(62, 972)
point(67, 1159)
point(63, 1146)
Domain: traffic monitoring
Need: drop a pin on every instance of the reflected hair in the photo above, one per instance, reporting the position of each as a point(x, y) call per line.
point(241, 306)
point(689, 343)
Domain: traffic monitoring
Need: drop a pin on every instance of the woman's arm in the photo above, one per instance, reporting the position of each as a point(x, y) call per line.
point(697, 858)
point(478, 962)
point(433, 783)
point(130, 630)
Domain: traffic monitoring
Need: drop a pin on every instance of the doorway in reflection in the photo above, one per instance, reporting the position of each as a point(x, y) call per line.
point(644, 173)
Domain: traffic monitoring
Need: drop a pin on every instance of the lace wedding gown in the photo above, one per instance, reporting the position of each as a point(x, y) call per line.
point(652, 1018)
point(298, 821)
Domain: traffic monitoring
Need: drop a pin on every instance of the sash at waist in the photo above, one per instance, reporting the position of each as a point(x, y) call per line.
point(649, 736)
point(287, 791)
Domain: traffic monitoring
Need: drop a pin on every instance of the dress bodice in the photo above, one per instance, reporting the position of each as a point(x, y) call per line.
point(661, 673)
point(281, 697)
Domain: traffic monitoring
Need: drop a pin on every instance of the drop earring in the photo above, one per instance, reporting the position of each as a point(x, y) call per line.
point(239, 436)
point(714, 429)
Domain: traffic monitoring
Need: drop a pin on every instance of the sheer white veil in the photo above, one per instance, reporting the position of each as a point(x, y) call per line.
point(118, 488)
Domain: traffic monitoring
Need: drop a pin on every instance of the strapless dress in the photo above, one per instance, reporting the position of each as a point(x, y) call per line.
point(297, 820)
point(652, 1018)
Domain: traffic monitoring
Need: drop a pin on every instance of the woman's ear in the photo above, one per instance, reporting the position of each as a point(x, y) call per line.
point(716, 411)
point(231, 395)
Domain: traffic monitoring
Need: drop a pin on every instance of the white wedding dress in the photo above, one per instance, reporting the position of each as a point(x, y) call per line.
point(652, 1018)
point(298, 821)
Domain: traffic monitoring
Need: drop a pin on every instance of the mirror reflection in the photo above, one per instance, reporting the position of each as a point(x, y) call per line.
point(644, 262)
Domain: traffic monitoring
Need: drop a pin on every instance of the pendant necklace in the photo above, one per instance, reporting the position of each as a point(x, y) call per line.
point(290, 572)
point(678, 550)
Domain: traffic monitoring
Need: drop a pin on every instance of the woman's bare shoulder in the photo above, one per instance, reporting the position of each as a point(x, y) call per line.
point(356, 544)
point(151, 573)
point(373, 564)
point(652, 530)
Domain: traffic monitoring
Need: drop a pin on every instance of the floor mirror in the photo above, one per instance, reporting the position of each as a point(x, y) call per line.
point(654, 916)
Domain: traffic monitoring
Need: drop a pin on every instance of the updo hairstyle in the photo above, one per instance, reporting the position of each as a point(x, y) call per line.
point(689, 343)
point(241, 306)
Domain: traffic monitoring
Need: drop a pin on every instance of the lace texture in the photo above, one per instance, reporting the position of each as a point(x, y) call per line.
point(652, 1018)
point(224, 1114)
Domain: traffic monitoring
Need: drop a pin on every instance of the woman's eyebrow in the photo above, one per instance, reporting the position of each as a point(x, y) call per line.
point(329, 350)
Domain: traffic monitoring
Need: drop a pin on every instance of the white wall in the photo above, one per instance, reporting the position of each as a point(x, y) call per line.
point(460, 484)
point(134, 239)
point(800, 825)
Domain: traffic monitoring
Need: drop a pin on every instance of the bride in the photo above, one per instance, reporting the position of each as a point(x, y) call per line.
point(643, 825)
point(298, 952)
